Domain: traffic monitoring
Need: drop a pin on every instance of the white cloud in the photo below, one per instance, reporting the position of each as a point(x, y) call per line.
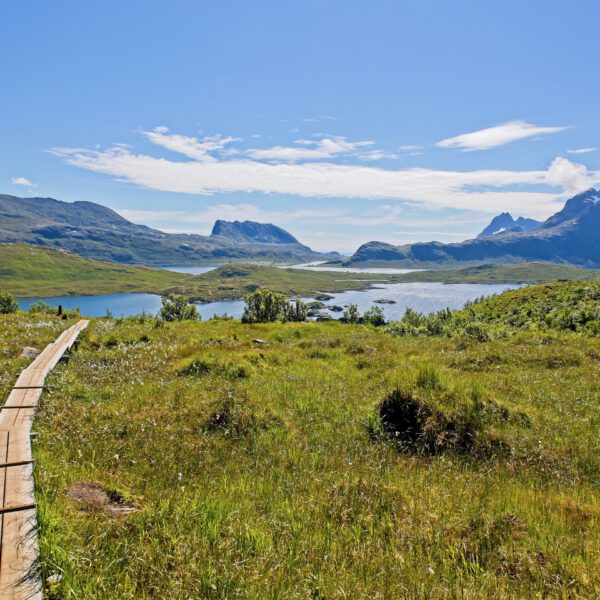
point(499, 135)
point(372, 155)
point(581, 150)
point(188, 146)
point(487, 191)
point(22, 181)
point(571, 177)
point(328, 147)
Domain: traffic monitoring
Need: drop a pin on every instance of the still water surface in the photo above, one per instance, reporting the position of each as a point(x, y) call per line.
point(423, 297)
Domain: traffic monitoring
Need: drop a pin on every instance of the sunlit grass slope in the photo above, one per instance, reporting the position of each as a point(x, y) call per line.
point(261, 470)
point(37, 271)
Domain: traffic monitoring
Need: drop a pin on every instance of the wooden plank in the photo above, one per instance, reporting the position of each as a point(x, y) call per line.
point(18, 534)
point(4, 457)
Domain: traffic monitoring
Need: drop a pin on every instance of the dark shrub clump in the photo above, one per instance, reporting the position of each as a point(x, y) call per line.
point(433, 421)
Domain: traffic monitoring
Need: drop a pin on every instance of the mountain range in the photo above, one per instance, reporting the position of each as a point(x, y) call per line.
point(504, 223)
point(95, 231)
point(572, 235)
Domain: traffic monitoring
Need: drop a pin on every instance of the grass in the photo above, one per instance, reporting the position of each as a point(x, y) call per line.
point(271, 471)
point(528, 272)
point(38, 271)
point(554, 306)
point(18, 331)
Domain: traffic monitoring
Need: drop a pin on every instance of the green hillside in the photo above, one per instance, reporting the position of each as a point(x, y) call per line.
point(571, 306)
point(527, 272)
point(37, 271)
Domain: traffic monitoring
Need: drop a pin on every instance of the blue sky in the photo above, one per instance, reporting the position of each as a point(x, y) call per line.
point(342, 121)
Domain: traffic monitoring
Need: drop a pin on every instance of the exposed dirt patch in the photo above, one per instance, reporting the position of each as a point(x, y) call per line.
point(92, 497)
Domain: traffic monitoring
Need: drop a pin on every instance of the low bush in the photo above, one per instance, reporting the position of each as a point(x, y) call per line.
point(7, 303)
point(374, 316)
point(265, 306)
point(41, 307)
point(176, 307)
point(351, 314)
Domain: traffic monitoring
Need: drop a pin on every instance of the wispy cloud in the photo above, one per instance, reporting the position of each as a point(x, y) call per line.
point(192, 147)
point(481, 190)
point(327, 147)
point(581, 150)
point(371, 155)
point(318, 119)
point(242, 211)
point(492, 137)
point(22, 181)
point(384, 214)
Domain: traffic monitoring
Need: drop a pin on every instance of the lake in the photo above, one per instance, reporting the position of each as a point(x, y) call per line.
point(191, 270)
point(312, 266)
point(319, 266)
point(423, 297)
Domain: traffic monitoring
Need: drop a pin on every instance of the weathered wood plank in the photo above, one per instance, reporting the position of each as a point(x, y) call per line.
point(18, 535)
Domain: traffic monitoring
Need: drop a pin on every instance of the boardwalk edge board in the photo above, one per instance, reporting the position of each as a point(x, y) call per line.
point(19, 574)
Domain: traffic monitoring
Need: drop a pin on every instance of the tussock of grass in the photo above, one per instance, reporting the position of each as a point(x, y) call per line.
point(225, 368)
point(429, 420)
point(236, 417)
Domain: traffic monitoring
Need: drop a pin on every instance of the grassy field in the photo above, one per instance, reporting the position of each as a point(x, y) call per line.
point(532, 272)
point(37, 271)
point(236, 469)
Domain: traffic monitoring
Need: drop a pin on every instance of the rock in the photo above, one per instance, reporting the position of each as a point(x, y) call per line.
point(384, 301)
point(324, 317)
point(323, 297)
point(335, 308)
point(259, 341)
point(29, 352)
point(315, 305)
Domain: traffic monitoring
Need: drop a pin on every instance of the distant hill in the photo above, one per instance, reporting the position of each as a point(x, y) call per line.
point(570, 236)
point(504, 223)
point(95, 231)
point(249, 232)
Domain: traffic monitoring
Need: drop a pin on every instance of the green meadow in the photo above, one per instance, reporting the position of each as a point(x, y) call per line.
point(324, 460)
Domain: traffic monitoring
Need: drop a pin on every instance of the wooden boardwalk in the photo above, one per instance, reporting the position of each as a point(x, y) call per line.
point(18, 535)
